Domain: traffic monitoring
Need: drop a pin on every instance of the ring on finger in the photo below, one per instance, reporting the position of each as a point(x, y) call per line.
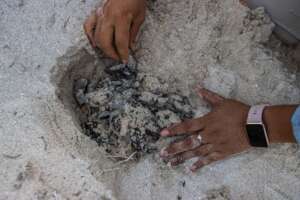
point(199, 138)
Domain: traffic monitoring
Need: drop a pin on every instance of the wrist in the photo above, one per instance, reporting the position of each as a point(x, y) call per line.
point(277, 121)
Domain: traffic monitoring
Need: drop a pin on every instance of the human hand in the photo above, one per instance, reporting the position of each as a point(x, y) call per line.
point(114, 26)
point(222, 131)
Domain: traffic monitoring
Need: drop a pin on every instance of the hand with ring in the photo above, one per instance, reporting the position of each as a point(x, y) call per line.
point(213, 137)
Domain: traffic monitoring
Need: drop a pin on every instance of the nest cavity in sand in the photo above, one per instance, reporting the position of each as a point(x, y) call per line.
point(125, 110)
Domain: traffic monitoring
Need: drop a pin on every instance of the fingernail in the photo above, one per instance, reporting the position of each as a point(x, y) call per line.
point(163, 152)
point(165, 132)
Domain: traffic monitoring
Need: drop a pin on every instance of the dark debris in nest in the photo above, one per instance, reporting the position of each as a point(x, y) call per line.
point(125, 111)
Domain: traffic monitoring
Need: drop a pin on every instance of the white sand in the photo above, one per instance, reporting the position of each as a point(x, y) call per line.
point(43, 154)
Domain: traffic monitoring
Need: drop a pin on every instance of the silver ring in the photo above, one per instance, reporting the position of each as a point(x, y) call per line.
point(199, 137)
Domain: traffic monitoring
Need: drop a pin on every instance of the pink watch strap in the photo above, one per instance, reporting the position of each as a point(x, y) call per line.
point(255, 114)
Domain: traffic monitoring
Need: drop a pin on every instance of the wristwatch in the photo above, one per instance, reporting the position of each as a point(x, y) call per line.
point(256, 130)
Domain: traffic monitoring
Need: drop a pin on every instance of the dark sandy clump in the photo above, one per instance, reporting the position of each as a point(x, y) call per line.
point(126, 110)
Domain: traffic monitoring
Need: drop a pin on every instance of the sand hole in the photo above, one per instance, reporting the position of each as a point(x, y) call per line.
point(150, 107)
point(119, 107)
point(145, 105)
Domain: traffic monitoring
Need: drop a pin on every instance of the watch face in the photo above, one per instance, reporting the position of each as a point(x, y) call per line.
point(256, 134)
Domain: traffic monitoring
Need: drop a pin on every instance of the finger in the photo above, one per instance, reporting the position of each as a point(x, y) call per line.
point(189, 143)
point(202, 151)
point(206, 161)
point(209, 96)
point(89, 28)
point(122, 38)
point(188, 126)
point(104, 36)
point(135, 27)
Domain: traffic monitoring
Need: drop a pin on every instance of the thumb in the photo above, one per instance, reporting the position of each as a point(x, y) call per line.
point(89, 27)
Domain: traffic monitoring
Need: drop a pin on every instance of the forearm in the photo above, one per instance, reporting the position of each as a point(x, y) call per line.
point(278, 123)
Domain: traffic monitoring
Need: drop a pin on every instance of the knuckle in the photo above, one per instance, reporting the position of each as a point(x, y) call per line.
point(206, 138)
point(204, 150)
point(210, 147)
point(198, 152)
point(188, 142)
point(119, 13)
point(121, 48)
point(205, 162)
point(119, 42)
point(182, 127)
point(187, 124)
point(214, 156)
